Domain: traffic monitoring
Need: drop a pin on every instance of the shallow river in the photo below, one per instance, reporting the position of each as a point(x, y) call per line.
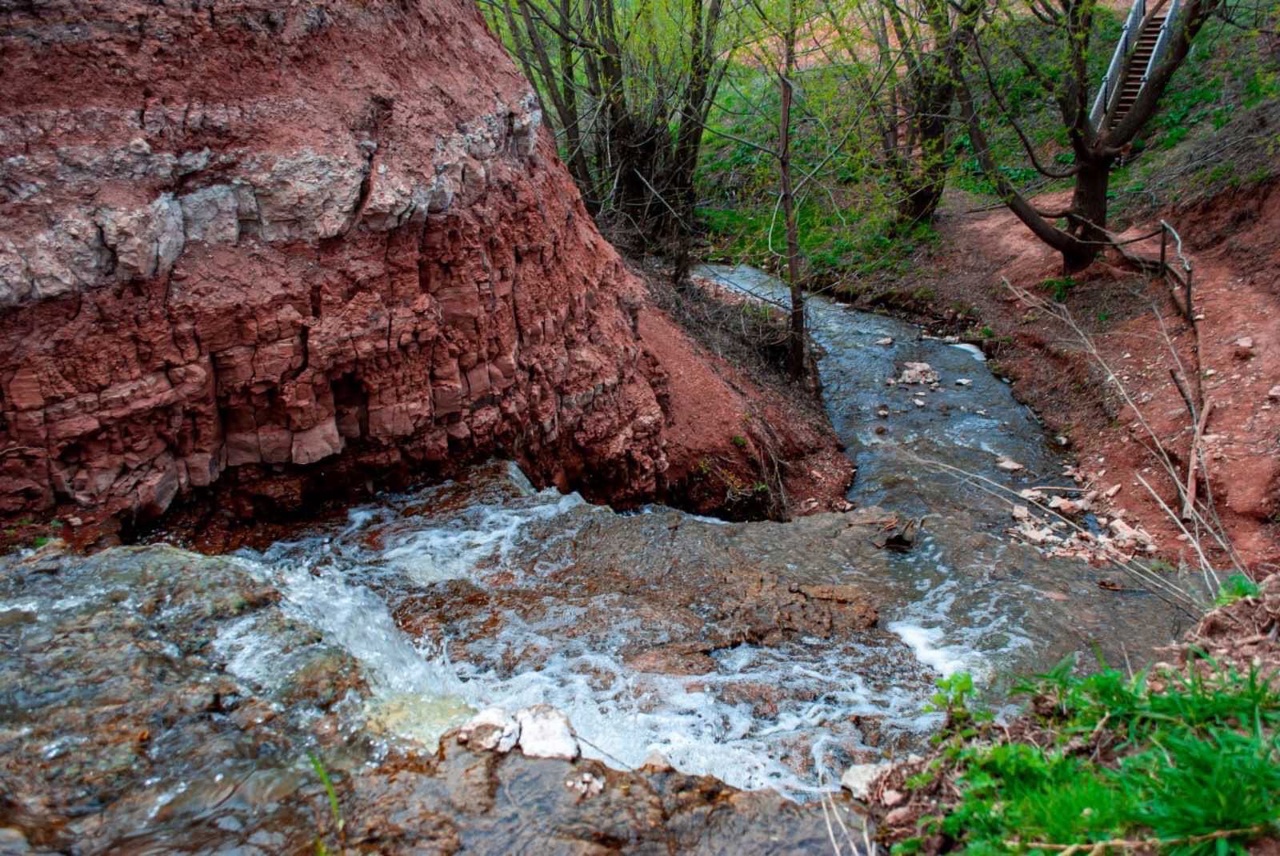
point(511, 596)
point(138, 683)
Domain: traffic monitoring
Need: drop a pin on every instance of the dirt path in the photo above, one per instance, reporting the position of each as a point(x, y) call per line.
point(1234, 247)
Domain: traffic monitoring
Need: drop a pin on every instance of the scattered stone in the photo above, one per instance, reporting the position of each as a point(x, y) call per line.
point(892, 797)
point(1021, 512)
point(857, 780)
point(1064, 506)
point(1244, 348)
point(897, 816)
point(1274, 393)
point(919, 402)
point(1036, 536)
point(963, 381)
point(1112, 491)
point(1123, 532)
point(586, 785)
point(917, 373)
point(883, 413)
point(886, 341)
point(492, 729)
point(1030, 494)
point(1009, 465)
point(545, 733)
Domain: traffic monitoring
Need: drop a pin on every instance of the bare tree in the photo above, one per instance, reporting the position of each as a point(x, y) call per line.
point(628, 87)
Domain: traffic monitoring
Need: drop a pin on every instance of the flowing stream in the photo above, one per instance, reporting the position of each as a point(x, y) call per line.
point(146, 691)
point(489, 593)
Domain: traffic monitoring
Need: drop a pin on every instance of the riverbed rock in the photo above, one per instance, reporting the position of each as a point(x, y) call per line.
point(546, 733)
point(913, 373)
point(141, 706)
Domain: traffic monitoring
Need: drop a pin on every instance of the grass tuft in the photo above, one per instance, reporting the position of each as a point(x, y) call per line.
point(1168, 762)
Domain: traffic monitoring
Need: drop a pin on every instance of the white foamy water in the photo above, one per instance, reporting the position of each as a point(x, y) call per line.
point(779, 717)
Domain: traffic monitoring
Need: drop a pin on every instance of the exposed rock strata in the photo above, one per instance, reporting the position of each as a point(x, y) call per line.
point(260, 238)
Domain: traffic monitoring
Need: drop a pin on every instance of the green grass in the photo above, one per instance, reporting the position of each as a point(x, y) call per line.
point(1235, 587)
point(1191, 762)
point(331, 793)
point(1059, 287)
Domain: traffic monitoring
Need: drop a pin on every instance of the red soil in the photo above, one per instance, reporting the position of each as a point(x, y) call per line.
point(1233, 244)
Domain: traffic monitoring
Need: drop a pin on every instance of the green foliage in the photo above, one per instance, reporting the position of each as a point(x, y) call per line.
point(739, 441)
point(1235, 587)
point(1193, 762)
point(955, 699)
point(1059, 287)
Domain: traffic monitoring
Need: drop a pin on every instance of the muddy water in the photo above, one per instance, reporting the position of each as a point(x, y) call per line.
point(136, 684)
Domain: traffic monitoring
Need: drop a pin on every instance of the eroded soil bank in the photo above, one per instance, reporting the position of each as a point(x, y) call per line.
point(286, 255)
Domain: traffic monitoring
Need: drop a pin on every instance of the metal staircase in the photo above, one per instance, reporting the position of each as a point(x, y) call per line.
point(1142, 45)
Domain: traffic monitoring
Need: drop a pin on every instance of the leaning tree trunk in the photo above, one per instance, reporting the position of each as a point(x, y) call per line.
point(1089, 211)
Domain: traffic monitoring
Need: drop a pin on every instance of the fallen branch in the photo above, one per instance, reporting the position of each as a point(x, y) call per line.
point(1098, 847)
point(1193, 464)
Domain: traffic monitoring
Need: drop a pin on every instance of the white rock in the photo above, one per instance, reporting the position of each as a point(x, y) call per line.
point(1274, 393)
point(1021, 512)
point(963, 381)
point(857, 780)
point(1244, 348)
point(1009, 465)
point(655, 760)
point(1112, 491)
point(587, 785)
point(491, 729)
point(886, 341)
point(917, 373)
point(1124, 532)
point(545, 733)
point(1037, 536)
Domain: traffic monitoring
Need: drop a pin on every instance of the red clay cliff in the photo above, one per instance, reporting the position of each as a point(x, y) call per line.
point(326, 240)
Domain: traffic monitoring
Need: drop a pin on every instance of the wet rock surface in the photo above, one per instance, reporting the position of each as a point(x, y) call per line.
point(769, 655)
point(132, 718)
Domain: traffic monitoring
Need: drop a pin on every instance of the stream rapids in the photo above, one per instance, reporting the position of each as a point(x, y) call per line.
point(768, 655)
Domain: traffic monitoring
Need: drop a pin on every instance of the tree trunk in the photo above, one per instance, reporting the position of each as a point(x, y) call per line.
point(1089, 212)
point(796, 344)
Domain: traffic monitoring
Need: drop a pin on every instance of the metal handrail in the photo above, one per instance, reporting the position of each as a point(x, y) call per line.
point(1110, 88)
point(1162, 41)
point(1182, 277)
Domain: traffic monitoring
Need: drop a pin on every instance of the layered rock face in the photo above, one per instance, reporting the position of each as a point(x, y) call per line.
point(261, 235)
